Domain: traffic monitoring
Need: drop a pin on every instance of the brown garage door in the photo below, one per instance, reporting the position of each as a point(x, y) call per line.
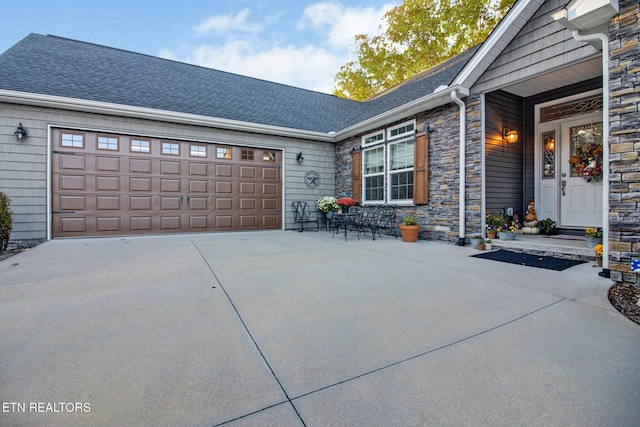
point(106, 184)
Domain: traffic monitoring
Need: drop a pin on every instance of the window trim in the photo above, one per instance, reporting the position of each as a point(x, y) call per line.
point(131, 150)
point(82, 135)
point(162, 145)
point(109, 138)
point(381, 133)
point(389, 172)
point(365, 175)
point(200, 154)
point(412, 131)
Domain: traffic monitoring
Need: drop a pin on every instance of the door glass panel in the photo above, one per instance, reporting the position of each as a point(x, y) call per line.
point(586, 149)
point(549, 161)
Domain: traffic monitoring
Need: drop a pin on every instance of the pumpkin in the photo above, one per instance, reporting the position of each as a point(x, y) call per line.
point(530, 230)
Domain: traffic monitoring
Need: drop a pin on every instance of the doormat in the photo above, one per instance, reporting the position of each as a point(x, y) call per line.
point(567, 237)
point(528, 260)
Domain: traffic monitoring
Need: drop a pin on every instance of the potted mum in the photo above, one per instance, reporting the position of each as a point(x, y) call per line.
point(410, 229)
point(593, 236)
point(492, 223)
point(598, 250)
point(327, 205)
point(345, 203)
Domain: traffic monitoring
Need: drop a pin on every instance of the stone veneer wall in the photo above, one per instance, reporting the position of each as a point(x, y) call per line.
point(624, 83)
point(439, 218)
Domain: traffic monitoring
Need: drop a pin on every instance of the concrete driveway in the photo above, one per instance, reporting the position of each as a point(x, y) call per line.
point(290, 329)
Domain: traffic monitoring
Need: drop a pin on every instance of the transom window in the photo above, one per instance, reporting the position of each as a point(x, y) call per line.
point(72, 140)
point(373, 138)
point(387, 166)
point(198, 151)
point(170, 148)
point(140, 146)
point(107, 143)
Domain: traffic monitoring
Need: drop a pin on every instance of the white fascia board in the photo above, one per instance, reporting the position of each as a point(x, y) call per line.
point(490, 43)
point(84, 105)
point(433, 100)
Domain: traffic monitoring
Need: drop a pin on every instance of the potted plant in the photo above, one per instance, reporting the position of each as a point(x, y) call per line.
point(488, 244)
point(547, 227)
point(598, 250)
point(327, 205)
point(492, 224)
point(507, 232)
point(475, 240)
point(593, 236)
point(410, 229)
point(345, 203)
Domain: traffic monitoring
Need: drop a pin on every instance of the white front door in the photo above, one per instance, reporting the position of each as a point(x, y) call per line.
point(580, 199)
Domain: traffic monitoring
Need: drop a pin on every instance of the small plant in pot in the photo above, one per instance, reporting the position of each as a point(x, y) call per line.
point(475, 240)
point(547, 227)
point(488, 244)
point(410, 229)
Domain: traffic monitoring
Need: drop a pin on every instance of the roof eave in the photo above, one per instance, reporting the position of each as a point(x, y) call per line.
point(84, 105)
point(433, 100)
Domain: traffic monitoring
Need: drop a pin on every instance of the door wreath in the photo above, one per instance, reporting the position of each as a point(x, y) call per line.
point(587, 162)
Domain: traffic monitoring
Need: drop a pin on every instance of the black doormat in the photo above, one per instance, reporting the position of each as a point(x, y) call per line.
point(528, 260)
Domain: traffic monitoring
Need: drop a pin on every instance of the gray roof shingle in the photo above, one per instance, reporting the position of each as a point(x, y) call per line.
point(57, 66)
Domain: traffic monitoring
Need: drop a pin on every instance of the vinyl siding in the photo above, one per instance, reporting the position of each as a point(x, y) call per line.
point(541, 46)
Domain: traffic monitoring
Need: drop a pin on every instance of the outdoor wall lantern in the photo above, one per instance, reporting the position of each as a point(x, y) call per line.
point(511, 135)
point(20, 133)
point(299, 157)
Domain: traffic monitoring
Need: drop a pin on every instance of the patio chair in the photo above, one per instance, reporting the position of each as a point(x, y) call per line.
point(302, 215)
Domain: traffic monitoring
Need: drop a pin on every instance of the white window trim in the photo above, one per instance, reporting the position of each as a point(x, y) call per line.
point(365, 176)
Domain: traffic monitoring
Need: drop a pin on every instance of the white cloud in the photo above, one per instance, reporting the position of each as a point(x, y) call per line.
point(341, 23)
point(250, 49)
point(227, 23)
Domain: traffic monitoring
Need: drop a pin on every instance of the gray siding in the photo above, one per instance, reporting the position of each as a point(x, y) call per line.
point(503, 161)
point(541, 46)
point(23, 166)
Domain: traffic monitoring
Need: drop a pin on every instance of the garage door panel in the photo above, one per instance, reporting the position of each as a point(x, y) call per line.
point(107, 164)
point(144, 191)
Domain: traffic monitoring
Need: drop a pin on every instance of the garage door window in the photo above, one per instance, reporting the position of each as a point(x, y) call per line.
point(72, 140)
point(107, 143)
point(170, 149)
point(223, 153)
point(140, 146)
point(246, 155)
point(198, 151)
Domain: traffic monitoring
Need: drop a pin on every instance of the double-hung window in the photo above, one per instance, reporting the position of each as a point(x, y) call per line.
point(388, 163)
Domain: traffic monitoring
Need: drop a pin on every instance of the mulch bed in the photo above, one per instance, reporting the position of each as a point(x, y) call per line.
point(623, 296)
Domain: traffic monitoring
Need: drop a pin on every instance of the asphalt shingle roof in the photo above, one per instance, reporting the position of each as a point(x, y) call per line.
point(57, 66)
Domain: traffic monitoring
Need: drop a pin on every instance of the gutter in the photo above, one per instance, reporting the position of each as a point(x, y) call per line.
point(83, 105)
point(604, 39)
point(463, 169)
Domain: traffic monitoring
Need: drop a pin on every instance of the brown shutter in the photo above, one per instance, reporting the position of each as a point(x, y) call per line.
point(356, 176)
point(421, 169)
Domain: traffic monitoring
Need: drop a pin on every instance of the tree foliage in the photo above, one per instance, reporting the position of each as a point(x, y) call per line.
point(419, 35)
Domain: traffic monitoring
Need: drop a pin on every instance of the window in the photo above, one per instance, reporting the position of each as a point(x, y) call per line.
point(373, 138)
point(198, 151)
point(401, 170)
point(223, 153)
point(403, 129)
point(72, 140)
point(246, 154)
point(171, 149)
point(140, 146)
point(107, 143)
point(269, 156)
point(374, 175)
point(388, 166)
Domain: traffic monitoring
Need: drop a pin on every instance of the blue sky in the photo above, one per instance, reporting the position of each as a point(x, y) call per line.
point(297, 42)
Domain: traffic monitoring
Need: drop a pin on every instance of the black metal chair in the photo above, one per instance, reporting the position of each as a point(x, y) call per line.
point(302, 215)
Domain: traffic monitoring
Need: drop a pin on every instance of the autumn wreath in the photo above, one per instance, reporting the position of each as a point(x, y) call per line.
point(587, 162)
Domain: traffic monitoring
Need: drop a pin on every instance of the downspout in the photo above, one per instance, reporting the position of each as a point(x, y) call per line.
point(604, 39)
point(461, 202)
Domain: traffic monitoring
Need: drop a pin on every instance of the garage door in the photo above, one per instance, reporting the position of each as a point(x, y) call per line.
point(106, 184)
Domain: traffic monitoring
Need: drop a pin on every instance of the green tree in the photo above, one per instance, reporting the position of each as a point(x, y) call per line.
point(419, 35)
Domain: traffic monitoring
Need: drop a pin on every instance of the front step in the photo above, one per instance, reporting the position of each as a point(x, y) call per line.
point(542, 245)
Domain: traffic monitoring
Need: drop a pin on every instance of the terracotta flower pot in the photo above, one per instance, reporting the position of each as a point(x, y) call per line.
point(481, 246)
point(409, 232)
